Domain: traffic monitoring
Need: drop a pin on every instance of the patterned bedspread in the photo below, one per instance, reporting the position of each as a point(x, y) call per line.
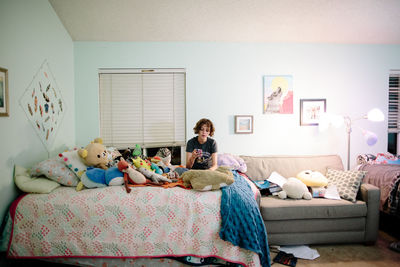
point(108, 222)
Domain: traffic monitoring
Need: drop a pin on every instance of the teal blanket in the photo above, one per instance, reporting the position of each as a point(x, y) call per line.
point(242, 224)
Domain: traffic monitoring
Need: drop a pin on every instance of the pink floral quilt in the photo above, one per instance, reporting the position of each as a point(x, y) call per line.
point(110, 223)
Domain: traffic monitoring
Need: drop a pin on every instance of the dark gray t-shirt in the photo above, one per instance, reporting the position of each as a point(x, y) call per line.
point(208, 148)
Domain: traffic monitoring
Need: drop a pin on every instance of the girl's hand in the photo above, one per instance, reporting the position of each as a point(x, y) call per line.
point(196, 154)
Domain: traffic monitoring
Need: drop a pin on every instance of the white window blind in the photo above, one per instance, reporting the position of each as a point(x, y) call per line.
point(142, 107)
point(394, 104)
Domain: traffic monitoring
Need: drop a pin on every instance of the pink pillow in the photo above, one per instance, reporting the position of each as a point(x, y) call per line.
point(55, 170)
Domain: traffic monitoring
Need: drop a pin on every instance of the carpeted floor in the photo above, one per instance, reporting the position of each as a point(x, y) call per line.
point(352, 255)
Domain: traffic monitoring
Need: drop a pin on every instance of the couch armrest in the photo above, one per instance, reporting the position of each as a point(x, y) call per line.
point(371, 195)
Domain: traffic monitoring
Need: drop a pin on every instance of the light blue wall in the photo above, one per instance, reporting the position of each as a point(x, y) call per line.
point(225, 79)
point(31, 33)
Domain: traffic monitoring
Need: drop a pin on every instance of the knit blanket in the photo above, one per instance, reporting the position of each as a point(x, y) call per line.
point(242, 224)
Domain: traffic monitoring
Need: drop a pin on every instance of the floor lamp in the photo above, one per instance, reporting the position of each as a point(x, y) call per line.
point(370, 137)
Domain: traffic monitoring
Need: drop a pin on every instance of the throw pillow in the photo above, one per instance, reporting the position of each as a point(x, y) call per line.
point(74, 162)
point(55, 170)
point(347, 182)
point(32, 185)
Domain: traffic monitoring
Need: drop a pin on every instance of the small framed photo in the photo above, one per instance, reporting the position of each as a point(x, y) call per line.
point(243, 124)
point(4, 92)
point(311, 110)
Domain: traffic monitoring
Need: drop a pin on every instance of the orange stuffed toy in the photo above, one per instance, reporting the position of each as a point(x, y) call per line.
point(130, 175)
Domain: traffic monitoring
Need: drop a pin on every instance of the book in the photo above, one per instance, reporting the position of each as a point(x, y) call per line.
point(318, 191)
point(274, 188)
point(262, 184)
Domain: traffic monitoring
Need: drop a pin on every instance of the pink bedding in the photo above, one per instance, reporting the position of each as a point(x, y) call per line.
point(109, 223)
point(383, 176)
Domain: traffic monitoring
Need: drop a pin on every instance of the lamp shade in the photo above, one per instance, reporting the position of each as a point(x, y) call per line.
point(370, 137)
point(375, 114)
point(324, 122)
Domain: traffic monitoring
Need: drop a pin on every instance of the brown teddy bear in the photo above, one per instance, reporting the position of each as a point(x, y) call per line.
point(95, 154)
point(205, 180)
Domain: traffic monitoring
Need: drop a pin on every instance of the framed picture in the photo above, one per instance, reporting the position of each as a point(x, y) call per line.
point(278, 94)
point(311, 110)
point(4, 92)
point(243, 124)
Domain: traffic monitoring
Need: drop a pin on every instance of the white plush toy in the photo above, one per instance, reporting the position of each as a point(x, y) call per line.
point(294, 188)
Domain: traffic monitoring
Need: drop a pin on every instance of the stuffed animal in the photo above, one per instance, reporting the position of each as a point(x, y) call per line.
point(206, 180)
point(96, 177)
point(294, 188)
point(312, 178)
point(130, 174)
point(139, 162)
point(155, 168)
point(165, 155)
point(95, 154)
point(155, 177)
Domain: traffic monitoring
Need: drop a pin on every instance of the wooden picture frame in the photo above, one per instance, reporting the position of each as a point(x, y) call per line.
point(4, 104)
point(243, 124)
point(311, 110)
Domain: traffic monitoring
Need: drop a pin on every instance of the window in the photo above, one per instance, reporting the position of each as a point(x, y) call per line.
point(394, 112)
point(141, 106)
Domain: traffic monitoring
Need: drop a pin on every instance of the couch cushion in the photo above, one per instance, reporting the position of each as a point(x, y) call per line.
point(316, 225)
point(274, 208)
point(261, 167)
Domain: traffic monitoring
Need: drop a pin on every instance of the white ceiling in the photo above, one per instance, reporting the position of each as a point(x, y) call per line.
point(316, 21)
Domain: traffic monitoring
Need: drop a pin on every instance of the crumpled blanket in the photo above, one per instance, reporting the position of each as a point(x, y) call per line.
point(242, 224)
point(383, 176)
point(394, 199)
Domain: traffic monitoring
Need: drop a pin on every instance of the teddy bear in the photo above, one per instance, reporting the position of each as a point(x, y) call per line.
point(95, 154)
point(206, 180)
point(294, 188)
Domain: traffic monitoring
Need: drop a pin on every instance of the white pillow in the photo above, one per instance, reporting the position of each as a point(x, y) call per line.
point(74, 162)
point(32, 185)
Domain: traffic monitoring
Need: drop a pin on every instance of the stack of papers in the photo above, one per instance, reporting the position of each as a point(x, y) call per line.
point(302, 252)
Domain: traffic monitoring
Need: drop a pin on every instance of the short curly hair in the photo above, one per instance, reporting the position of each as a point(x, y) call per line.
point(202, 122)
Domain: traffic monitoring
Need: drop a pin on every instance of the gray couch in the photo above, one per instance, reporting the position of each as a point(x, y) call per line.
point(316, 221)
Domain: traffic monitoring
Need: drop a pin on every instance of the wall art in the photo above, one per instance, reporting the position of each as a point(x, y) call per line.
point(278, 94)
point(243, 124)
point(4, 104)
point(44, 105)
point(311, 110)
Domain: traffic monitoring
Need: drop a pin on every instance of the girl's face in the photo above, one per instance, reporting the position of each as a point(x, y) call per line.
point(204, 131)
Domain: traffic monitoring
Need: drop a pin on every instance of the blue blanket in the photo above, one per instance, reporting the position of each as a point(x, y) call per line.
point(242, 224)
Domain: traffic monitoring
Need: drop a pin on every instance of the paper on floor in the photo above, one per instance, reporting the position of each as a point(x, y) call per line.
point(301, 252)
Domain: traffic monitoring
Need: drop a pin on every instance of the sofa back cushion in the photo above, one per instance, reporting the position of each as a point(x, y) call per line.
point(261, 167)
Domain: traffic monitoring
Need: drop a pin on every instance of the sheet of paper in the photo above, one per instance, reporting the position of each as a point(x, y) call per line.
point(276, 178)
point(331, 192)
point(302, 252)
